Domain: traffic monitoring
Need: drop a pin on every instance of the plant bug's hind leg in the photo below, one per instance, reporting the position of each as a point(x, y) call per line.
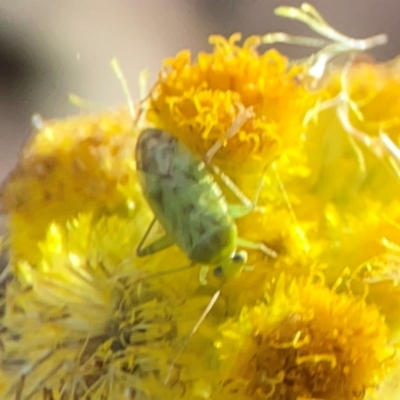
point(245, 207)
point(158, 245)
point(243, 116)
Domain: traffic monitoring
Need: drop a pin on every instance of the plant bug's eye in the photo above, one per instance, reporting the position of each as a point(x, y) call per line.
point(232, 267)
point(240, 257)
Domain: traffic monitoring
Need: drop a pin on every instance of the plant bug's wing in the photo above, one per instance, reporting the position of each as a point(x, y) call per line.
point(185, 198)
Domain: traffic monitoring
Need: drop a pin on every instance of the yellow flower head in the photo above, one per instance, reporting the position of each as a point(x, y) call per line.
point(236, 93)
point(72, 165)
point(81, 323)
point(80, 165)
point(308, 342)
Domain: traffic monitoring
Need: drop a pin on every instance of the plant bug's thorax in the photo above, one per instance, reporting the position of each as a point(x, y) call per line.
point(185, 199)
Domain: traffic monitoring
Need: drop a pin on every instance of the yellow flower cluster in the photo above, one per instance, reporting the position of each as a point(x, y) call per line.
point(84, 318)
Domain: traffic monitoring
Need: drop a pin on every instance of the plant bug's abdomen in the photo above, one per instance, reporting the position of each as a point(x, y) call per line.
point(185, 199)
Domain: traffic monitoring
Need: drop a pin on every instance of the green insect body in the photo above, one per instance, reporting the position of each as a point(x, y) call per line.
point(188, 203)
point(185, 198)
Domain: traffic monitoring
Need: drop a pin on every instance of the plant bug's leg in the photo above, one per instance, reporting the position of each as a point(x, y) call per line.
point(243, 116)
point(248, 244)
point(244, 200)
point(158, 245)
point(203, 274)
point(246, 204)
point(245, 207)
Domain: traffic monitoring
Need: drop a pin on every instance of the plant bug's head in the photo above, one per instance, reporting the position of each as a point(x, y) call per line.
point(233, 266)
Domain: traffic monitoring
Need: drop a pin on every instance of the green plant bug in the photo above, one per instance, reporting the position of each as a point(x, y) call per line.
point(190, 205)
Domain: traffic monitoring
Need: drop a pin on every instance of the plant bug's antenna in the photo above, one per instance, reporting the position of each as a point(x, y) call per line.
point(206, 311)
